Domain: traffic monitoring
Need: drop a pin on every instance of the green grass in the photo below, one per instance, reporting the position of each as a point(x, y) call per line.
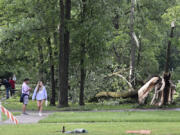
point(101, 123)
point(14, 104)
point(14, 113)
point(118, 128)
point(148, 116)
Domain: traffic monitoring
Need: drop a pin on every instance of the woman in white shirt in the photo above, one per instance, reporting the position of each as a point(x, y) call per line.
point(40, 94)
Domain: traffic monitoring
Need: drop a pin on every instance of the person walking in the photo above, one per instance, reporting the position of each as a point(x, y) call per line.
point(25, 95)
point(40, 94)
point(7, 86)
point(12, 83)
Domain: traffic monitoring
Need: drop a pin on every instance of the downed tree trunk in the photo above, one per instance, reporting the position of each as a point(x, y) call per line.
point(158, 94)
point(161, 87)
point(127, 94)
point(146, 89)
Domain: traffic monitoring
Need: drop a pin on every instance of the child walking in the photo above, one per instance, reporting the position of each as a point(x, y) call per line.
point(40, 94)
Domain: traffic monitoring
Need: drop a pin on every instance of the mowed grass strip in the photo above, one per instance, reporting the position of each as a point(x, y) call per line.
point(14, 104)
point(128, 116)
point(108, 128)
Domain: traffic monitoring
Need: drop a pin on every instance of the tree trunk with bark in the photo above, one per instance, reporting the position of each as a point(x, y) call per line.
point(64, 52)
point(167, 75)
point(139, 53)
point(83, 75)
point(51, 63)
point(82, 64)
point(133, 46)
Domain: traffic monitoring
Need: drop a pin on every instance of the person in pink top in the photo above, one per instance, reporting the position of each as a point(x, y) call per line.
point(25, 92)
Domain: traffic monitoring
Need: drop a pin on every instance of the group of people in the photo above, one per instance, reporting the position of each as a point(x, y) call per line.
point(9, 85)
point(39, 94)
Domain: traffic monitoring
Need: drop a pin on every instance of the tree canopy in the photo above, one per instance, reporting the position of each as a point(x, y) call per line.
point(85, 41)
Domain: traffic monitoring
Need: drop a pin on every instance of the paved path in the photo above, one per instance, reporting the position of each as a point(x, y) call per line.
point(33, 117)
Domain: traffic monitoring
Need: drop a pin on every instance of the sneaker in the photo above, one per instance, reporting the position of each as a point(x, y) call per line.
point(25, 113)
point(40, 114)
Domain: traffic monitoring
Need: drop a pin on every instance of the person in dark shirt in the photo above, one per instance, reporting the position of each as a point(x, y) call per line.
point(7, 86)
point(12, 83)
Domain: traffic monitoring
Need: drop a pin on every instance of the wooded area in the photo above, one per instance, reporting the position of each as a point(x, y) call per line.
point(80, 48)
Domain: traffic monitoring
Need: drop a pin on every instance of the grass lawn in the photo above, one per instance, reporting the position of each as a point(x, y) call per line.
point(108, 128)
point(14, 104)
point(101, 123)
point(148, 116)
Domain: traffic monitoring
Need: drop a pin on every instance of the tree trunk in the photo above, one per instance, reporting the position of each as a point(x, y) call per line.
point(139, 53)
point(167, 75)
point(82, 64)
point(41, 62)
point(133, 46)
point(164, 89)
point(63, 55)
point(51, 63)
point(168, 52)
point(83, 75)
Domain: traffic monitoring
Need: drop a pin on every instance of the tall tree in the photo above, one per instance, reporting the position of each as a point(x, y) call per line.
point(167, 76)
point(65, 12)
point(82, 58)
point(133, 46)
point(51, 63)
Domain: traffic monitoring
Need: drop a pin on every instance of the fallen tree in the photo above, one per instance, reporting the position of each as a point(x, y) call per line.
point(163, 86)
point(163, 90)
point(105, 95)
point(127, 94)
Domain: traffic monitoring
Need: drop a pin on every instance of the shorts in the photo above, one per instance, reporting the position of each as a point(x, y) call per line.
point(26, 100)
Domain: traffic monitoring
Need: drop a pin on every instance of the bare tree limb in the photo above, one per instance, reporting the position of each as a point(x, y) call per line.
point(121, 76)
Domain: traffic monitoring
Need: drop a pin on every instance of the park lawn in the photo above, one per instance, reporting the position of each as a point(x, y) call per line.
point(14, 113)
point(14, 104)
point(108, 128)
point(125, 116)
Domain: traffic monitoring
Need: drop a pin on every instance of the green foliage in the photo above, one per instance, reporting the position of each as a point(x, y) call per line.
point(26, 25)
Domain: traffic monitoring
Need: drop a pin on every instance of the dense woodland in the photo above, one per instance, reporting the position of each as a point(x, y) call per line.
point(81, 47)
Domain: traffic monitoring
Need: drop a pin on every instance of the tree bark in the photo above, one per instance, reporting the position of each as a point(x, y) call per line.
point(51, 63)
point(168, 52)
point(82, 64)
point(133, 46)
point(167, 75)
point(83, 75)
point(64, 53)
point(139, 53)
point(41, 62)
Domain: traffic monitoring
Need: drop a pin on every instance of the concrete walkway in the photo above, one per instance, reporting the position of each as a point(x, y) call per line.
point(33, 117)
